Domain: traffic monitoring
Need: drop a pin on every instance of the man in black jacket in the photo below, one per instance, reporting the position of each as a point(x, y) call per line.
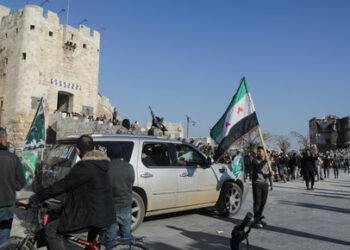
point(260, 175)
point(122, 176)
point(11, 180)
point(88, 204)
point(308, 167)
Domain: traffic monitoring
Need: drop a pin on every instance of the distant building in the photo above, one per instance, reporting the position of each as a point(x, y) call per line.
point(39, 56)
point(330, 132)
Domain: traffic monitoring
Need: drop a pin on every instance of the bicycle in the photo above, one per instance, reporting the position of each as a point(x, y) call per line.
point(238, 234)
point(35, 237)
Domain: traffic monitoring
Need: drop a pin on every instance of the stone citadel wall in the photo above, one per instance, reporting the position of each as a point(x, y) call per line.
point(39, 56)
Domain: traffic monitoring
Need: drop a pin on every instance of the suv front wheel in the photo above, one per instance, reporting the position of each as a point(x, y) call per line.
point(138, 211)
point(230, 199)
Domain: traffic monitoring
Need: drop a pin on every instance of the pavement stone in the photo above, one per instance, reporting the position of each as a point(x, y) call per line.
point(297, 219)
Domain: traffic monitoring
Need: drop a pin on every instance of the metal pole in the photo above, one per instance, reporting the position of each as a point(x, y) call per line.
point(67, 12)
point(267, 157)
point(188, 121)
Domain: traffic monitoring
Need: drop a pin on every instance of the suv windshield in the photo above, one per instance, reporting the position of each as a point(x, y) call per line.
point(60, 154)
point(57, 163)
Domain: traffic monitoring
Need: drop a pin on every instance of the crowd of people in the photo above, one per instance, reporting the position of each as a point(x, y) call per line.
point(294, 166)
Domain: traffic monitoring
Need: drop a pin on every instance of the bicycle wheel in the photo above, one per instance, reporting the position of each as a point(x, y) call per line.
point(130, 246)
point(13, 244)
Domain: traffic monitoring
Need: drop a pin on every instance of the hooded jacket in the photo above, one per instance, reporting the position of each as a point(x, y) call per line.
point(11, 177)
point(89, 201)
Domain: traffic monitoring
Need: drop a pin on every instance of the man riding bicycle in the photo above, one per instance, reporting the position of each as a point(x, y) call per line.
point(88, 204)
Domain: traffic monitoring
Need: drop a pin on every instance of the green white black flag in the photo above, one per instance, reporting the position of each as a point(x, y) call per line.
point(238, 119)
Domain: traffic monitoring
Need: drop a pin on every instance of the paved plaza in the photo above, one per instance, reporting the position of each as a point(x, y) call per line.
point(297, 219)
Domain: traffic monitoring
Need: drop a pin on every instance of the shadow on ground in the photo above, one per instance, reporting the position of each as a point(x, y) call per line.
point(315, 206)
point(291, 231)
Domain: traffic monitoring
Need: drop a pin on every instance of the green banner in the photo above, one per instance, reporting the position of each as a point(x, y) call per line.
point(36, 134)
point(28, 160)
point(237, 165)
point(35, 139)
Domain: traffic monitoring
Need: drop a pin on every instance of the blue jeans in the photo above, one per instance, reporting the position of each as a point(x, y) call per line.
point(123, 224)
point(6, 217)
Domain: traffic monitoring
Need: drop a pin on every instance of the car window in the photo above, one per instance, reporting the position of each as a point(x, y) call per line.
point(126, 148)
point(57, 163)
point(188, 156)
point(155, 154)
point(60, 154)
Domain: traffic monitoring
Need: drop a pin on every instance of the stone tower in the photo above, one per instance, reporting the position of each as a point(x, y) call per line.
point(39, 56)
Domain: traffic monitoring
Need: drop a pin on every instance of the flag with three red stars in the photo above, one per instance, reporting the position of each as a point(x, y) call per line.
point(239, 119)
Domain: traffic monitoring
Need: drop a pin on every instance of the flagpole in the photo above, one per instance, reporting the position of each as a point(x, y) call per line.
point(267, 157)
point(235, 142)
point(263, 144)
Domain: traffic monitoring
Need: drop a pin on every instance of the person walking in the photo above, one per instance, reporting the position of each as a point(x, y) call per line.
point(11, 180)
point(318, 167)
point(260, 178)
point(294, 166)
point(336, 165)
point(347, 166)
point(326, 166)
point(281, 167)
point(122, 177)
point(308, 166)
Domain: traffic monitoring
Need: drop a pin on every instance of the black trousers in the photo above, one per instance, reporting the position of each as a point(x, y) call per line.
point(58, 242)
point(326, 172)
point(336, 171)
point(309, 175)
point(260, 192)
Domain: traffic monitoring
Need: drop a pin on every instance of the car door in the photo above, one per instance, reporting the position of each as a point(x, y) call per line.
point(157, 175)
point(197, 182)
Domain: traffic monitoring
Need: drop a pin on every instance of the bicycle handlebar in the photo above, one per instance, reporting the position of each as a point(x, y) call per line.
point(31, 205)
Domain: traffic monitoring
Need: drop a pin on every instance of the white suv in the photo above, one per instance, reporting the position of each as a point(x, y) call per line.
point(170, 175)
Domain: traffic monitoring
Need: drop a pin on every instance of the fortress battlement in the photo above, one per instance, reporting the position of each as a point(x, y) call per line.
point(35, 15)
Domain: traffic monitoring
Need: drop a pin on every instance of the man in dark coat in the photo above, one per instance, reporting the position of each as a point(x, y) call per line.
point(11, 180)
point(122, 177)
point(260, 178)
point(308, 167)
point(88, 204)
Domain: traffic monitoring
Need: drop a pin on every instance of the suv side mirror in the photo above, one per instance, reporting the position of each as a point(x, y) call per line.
point(209, 161)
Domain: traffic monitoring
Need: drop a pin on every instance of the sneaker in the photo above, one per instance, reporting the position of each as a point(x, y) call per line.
point(259, 225)
point(308, 188)
point(312, 188)
point(263, 223)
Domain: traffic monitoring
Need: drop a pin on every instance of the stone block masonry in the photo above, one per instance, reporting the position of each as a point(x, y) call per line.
point(39, 56)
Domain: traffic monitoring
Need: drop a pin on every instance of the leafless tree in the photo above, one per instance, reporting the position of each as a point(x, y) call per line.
point(302, 140)
point(251, 141)
point(283, 142)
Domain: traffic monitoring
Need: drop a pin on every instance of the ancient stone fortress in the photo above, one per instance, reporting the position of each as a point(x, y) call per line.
point(330, 132)
point(39, 56)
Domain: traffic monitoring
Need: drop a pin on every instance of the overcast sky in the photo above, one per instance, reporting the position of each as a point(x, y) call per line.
point(188, 56)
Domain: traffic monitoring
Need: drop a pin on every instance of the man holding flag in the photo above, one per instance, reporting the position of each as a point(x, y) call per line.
point(260, 174)
point(238, 120)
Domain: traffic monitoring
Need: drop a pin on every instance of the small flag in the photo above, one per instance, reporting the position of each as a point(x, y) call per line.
point(239, 119)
